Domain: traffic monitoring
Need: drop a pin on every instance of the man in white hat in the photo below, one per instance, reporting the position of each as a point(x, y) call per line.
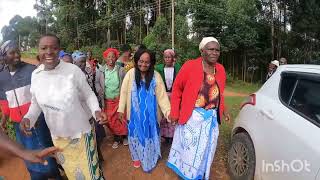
point(273, 65)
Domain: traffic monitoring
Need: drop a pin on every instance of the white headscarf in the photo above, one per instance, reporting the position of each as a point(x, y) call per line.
point(206, 40)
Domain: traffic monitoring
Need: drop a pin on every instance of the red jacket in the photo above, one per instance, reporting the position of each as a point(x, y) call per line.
point(186, 88)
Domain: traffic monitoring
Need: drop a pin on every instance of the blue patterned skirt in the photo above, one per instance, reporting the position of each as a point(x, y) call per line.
point(194, 145)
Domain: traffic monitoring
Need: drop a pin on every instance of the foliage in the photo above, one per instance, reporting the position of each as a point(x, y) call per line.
point(248, 30)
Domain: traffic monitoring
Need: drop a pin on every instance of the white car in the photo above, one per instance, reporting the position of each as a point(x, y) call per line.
point(276, 135)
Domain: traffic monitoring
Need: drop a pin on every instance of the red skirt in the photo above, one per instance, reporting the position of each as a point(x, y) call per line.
point(114, 124)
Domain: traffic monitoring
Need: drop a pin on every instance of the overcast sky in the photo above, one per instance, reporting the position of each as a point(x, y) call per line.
point(9, 8)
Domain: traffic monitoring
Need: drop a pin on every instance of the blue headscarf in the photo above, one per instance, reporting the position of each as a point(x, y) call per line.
point(77, 55)
point(62, 53)
point(5, 47)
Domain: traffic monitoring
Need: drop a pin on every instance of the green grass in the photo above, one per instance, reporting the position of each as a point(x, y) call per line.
point(242, 87)
point(31, 53)
point(233, 104)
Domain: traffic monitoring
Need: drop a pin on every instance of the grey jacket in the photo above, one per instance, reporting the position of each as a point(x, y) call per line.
point(100, 81)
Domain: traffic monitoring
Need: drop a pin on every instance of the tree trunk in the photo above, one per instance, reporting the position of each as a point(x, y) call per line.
point(245, 68)
point(172, 24)
point(233, 75)
point(159, 12)
point(272, 28)
point(125, 30)
point(279, 35)
point(140, 29)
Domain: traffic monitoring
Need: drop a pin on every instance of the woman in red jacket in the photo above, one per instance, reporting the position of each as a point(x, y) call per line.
point(197, 103)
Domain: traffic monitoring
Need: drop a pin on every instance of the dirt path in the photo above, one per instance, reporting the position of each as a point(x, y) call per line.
point(234, 94)
point(118, 165)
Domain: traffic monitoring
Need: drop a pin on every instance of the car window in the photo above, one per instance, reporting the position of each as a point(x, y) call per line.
point(286, 87)
point(306, 99)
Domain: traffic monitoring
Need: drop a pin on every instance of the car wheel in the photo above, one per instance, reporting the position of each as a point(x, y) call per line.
point(241, 157)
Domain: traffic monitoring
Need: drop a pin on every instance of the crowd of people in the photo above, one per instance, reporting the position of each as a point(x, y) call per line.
point(69, 101)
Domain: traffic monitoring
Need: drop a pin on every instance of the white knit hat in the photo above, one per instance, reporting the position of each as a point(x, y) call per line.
point(206, 40)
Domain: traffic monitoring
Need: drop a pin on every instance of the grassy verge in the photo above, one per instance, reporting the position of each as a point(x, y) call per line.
point(233, 103)
point(242, 87)
point(31, 53)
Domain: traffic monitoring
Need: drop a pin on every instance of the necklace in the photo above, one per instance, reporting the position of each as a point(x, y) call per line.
point(206, 69)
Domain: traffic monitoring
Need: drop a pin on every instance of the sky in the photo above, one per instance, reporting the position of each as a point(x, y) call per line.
point(10, 8)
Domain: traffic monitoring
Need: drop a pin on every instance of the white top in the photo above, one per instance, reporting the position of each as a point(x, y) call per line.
point(12, 73)
point(64, 96)
point(168, 74)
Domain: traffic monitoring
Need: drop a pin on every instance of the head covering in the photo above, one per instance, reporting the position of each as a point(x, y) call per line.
point(206, 40)
point(5, 47)
point(107, 51)
point(170, 51)
point(63, 53)
point(77, 55)
point(275, 62)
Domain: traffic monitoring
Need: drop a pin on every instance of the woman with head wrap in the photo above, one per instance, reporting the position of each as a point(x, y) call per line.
point(60, 90)
point(66, 57)
point(168, 71)
point(113, 75)
point(79, 59)
point(197, 104)
point(143, 95)
point(15, 82)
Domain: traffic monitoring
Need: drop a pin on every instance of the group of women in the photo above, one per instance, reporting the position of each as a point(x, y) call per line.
point(131, 99)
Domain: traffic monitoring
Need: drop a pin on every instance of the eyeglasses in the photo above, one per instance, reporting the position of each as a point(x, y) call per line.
point(144, 62)
point(212, 49)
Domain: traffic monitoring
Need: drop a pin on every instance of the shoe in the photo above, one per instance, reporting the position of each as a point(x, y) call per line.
point(115, 145)
point(136, 164)
point(125, 142)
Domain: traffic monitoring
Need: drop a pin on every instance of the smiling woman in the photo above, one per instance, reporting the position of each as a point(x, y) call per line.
point(60, 90)
point(143, 95)
point(49, 47)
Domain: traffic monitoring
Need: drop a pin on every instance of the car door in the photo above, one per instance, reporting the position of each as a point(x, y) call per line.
point(292, 148)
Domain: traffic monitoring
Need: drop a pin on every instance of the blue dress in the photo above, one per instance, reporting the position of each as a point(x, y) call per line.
point(144, 139)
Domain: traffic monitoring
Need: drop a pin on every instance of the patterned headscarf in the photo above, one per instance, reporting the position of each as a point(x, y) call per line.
point(170, 52)
point(5, 47)
point(77, 55)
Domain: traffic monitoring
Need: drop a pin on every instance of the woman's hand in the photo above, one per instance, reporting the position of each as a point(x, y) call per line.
point(121, 117)
point(172, 120)
point(25, 126)
point(227, 116)
point(101, 117)
point(39, 156)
